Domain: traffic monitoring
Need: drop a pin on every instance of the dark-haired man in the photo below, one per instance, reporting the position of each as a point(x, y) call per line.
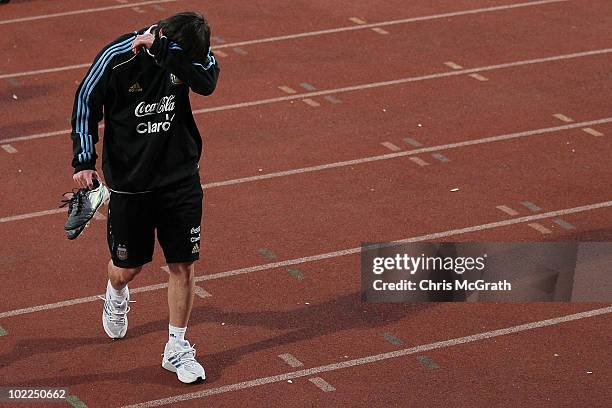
point(140, 85)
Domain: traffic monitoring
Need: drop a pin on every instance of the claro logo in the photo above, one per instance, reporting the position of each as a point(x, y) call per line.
point(166, 104)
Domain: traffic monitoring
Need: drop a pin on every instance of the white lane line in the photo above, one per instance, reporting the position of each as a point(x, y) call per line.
point(322, 384)
point(83, 11)
point(391, 146)
point(32, 215)
point(592, 132)
point(318, 381)
point(507, 210)
point(38, 136)
point(400, 21)
point(453, 65)
point(328, 255)
point(45, 71)
point(322, 32)
point(406, 80)
point(374, 358)
point(388, 156)
point(219, 53)
point(380, 31)
point(9, 149)
point(563, 118)
point(479, 77)
point(354, 88)
point(419, 161)
point(540, 228)
point(291, 360)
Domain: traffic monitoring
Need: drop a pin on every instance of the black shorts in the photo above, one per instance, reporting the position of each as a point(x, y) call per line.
point(174, 211)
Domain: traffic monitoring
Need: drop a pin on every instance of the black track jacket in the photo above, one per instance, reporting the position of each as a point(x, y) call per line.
point(150, 137)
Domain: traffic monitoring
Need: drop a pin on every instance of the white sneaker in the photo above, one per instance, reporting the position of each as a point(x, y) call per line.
point(179, 357)
point(114, 315)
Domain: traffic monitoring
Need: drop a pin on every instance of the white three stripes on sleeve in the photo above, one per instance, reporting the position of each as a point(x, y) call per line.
point(90, 82)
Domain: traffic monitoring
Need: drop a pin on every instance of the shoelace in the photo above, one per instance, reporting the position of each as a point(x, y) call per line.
point(75, 200)
point(186, 356)
point(115, 316)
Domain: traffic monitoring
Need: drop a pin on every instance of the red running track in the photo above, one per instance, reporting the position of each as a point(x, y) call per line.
point(253, 317)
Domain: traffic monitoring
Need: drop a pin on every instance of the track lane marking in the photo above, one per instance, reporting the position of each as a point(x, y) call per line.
point(287, 89)
point(374, 358)
point(564, 224)
point(357, 20)
point(428, 362)
point(540, 228)
point(453, 65)
point(311, 102)
point(33, 215)
point(82, 11)
point(531, 206)
point(419, 161)
point(354, 88)
point(563, 118)
point(479, 77)
point(328, 255)
point(9, 148)
point(391, 146)
point(379, 30)
point(388, 156)
point(440, 157)
point(592, 132)
point(504, 208)
point(412, 142)
point(322, 384)
point(321, 32)
point(290, 360)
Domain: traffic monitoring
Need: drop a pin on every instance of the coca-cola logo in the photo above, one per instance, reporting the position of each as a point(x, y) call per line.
point(166, 104)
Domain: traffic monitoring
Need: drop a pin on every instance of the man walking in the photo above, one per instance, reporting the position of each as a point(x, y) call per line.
point(140, 85)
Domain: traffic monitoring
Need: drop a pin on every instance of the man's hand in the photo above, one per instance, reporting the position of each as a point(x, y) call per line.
point(84, 178)
point(143, 41)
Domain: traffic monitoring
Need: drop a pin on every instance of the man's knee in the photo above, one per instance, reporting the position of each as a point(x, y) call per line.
point(123, 276)
point(182, 270)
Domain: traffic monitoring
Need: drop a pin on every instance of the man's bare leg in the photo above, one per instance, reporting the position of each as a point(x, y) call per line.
point(179, 355)
point(180, 293)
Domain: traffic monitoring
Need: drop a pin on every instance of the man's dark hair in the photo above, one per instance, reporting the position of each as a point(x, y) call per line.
point(190, 30)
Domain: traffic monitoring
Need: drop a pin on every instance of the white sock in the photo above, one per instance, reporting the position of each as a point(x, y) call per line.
point(176, 333)
point(117, 294)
